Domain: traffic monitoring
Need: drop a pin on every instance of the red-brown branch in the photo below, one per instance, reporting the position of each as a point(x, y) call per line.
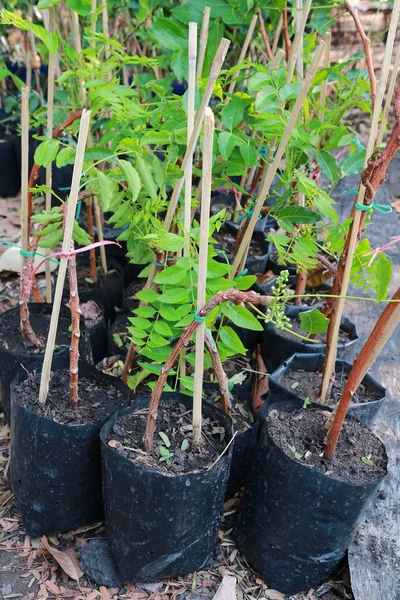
point(244, 224)
point(355, 375)
point(232, 295)
point(220, 374)
point(268, 50)
point(300, 289)
point(285, 31)
point(367, 49)
point(75, 330)
point(92, 252)
point(26, 283)
point(372, 178)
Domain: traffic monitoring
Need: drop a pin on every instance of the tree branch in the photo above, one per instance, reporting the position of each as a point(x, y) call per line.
point(268, 50)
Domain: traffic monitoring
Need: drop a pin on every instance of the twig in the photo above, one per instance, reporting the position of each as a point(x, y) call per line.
point(285, 29)
point(232, 295)
point(75, 330)
point(24, 169)
point(73, 197)
point(367, 49)
point(268, 50)
point(220, 374)
point(278, 32)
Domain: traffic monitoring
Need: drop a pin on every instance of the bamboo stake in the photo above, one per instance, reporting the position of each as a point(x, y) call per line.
point(324, 85)
point(300, 61)
point(93, 21)
point(294, 50)
point(276, 60)
point(187, 219)
point(278, 32)
point(203, 41)
point(389, 97)
point(190, 125)
point(202, 273)
point(72, 201)
point(50, 110)
point(24, 168)
point(97, 211)
point(267, 181)
point(243, 53)
point(334, 326)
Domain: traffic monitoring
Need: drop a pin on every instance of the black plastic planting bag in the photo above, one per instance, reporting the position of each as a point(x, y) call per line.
point(253, 264)
point(364, 411)
point(161, 525)
point(276, 346)
point(295, 523)
point(56, 469)
point(10, 179)
point(11, 361)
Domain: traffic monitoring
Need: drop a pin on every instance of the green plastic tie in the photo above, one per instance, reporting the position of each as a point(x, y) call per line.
point(385, 209)
point(199, 319)
point(244, 272)
point(27, 254)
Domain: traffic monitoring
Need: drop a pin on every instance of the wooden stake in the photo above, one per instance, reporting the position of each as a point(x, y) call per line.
point(72, 201)
point(295, 48)
point(202, 273)
point(324, 84)
point(24, 168)
point(243, 53)
point(334, 325)
point(277, 35)
point(389, 97)
point(203, 41)
point(267, 181)
point(190, 125)
point(276, 60)
point(50, 110)
point(300, 61)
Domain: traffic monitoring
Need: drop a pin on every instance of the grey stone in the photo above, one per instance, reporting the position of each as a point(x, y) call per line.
point(96, 561)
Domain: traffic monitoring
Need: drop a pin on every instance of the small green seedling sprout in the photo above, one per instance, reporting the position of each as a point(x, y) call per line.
point(295, 385)
point(89, 280)
point(70, 328)
point(165, 439)
point(117, 339)
point(166, 455)
point(185, 445)
point(367, 460)
point(295, 453)
point(306, 402)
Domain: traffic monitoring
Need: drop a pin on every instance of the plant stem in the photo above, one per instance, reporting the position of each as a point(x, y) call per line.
point(50, 109)
point(285, 28)
point(202, 272)
point(381, 333)
point(268, 50)
point(324, 84)
point(73, 197)
point(367, 49)
point(75, 331)
point(220, 374)
point(203, 41)
point(25, 210)
point(267, 181)
point(92, 251)
point(232, 295)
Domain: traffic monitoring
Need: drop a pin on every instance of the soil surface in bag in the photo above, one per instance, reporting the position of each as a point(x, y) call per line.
point(307, 384)
point(172, 451)
point(96, 399)
point(12, 341)
point(226, 242)
point(360, 457)
point(242, 417)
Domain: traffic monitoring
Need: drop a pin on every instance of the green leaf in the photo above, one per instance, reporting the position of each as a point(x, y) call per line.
point(296, 215)
point(161, 354)
point(367, 460)
point(313, 321)
point(217, 269)
point(169, 313)
point(147, 295)
point(132, 177)
point(164, 438)
point(353, 163)
point(327, 164)
point(47, 217)
point(80, 236)
point(245, 282)
point(185, 445)
point(175, 296)
point(383, 270)
point(226, 144)
point(64, 156)
point(241, 316)
point(82, 7)
point(188, 382)
point(171, 275)
point(49, 39)
point(323, 203)
point(145, 312)
point(140, 323)
point(170, 242)
point(232, 113)
point(52, 240)
point(167, 33)
point(46, 152)
point(108, 190)
point(231, 339)
point(156, 340)
point(249, 155)
point(162, 328)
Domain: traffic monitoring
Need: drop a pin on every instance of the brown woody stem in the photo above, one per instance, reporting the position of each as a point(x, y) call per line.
point(301, 283)
point(285, 30)
point(367, 49)
point(380, 334)
point(232, 295)
point(75, 331)
point(220, 374)
point(264, 35)
point(92, 252)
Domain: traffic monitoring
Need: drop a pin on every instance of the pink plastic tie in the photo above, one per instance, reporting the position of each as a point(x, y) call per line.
point(381, 249)
point(70, 253)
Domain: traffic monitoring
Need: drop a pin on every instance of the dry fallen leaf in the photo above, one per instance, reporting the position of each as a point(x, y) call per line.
point(105, 594)
point(227, 589)
point(396, 205)
point(68, 560)
point(274, 595)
